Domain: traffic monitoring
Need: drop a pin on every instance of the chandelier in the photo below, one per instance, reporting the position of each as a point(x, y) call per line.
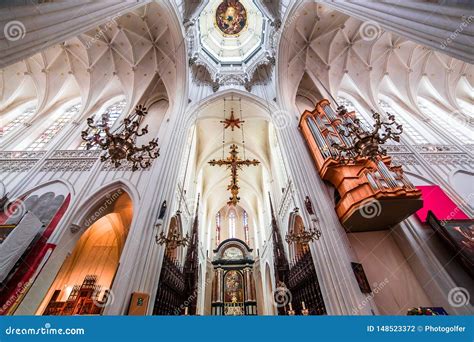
point(120, 144)
point(361, 142)
point(303, 237)
point(173, 240)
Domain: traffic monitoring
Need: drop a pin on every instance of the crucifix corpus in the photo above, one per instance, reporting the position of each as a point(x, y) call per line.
point(234, 163)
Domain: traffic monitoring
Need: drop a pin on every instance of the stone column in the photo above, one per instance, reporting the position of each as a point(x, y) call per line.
point(249, 286)
point(445, 28)
point(331, 253)
point(250, 301)
point(217, 295)
point(26, 30)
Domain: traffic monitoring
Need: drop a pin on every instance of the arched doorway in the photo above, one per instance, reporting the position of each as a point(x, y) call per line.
point(83, 283)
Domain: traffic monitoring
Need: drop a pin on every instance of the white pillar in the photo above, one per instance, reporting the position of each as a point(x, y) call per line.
point(331, 254)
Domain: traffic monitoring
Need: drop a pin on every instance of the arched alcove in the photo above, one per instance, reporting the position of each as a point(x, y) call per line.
point(84, 281)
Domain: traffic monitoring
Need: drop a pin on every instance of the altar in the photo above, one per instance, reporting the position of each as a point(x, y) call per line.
point(233, 286)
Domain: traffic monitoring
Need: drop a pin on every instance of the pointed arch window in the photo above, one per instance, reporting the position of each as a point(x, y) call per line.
point(58, 124)
point(112, 113)
point(218, 228)
point(246, 227)
point(449, 124)
point(232, 219)
point(19, 120)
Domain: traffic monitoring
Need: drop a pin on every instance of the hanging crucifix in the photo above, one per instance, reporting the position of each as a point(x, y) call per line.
point(234, 163)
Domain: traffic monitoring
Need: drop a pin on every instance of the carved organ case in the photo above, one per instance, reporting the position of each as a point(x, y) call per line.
point(370, 194)
point(233, 286)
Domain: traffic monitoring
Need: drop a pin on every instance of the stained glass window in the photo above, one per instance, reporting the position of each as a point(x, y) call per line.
point(112, 113)
point(232, 225)
point(408, 129)
point(218, 228)
point(58, 124)
point(246, 227)
point(20, 119)
point(451, 125)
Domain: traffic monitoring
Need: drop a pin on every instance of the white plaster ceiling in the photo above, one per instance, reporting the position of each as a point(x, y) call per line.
point(120, 57)
point(209, 146)
point(341, 50)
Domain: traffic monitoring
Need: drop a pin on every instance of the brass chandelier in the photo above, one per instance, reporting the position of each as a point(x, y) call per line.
point(303, 237)
point(173, 240)
point(361, 142)
point(120, 145)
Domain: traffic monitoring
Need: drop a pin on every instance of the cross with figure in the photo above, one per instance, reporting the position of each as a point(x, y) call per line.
point(234, 163)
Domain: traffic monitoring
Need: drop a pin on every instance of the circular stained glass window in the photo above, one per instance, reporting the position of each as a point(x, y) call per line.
point(231, 17)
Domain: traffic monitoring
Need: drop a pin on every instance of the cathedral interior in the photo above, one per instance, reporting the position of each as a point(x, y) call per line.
point(236, 157)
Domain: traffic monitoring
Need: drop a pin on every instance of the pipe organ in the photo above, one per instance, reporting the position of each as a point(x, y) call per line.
point(365, 187)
